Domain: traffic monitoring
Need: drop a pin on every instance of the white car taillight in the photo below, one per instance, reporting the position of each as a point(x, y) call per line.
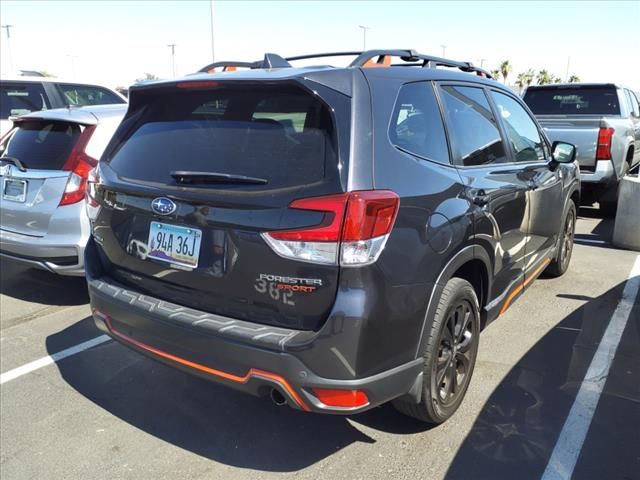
point(354, 230)
point(79, 163)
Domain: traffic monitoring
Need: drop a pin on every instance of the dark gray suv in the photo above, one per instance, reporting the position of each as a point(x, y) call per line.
point(334, 237)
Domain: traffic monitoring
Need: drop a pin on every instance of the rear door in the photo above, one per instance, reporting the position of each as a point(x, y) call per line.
point(545, 199)
point(30, 197)
point(280, 143)
point(494, 182)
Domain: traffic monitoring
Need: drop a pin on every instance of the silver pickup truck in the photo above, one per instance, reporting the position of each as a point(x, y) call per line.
point(603, 122)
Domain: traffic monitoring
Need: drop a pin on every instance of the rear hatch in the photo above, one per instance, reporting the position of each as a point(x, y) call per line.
point(198, 172)
point(38, 174)
point(574, 114)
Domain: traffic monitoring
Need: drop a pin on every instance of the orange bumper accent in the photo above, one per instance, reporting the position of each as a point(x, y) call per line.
point(254, 372)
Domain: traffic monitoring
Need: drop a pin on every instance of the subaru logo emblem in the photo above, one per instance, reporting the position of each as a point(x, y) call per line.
point(163, 206)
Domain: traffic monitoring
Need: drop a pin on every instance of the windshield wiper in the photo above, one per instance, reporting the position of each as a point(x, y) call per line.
point(189, 177)
point(15, 161)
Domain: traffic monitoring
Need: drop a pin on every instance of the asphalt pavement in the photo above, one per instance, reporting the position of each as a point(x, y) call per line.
point(109, 413)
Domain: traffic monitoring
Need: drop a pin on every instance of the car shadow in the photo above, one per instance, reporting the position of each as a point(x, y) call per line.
point(516, 431)
point(39, 286)
point(209, 420)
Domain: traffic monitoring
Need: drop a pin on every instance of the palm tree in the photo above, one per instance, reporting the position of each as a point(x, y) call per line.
point(495, 74)
point(574, 79)
point(521, 81)
point(530, 76)
point(543, 77)
point(505, 69)
point(557, 80)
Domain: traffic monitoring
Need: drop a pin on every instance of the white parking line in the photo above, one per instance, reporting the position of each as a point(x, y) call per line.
point(565, 454)
point(588, 240)
point(49, 359)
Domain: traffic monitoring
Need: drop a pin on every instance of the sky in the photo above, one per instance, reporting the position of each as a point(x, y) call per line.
point(116, 42)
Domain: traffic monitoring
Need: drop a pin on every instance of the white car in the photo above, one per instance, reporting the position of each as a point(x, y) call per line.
point(22, 95)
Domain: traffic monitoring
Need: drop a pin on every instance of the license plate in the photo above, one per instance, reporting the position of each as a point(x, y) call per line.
point(14, 190)
point(174, 244)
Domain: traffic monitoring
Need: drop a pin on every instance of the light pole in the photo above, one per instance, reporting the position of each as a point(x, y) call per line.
point(73, 66)
point(8, 28)
point(172, 46)
point(482, 62)
point(213, 52)
point(444, 49)
point(364, 35)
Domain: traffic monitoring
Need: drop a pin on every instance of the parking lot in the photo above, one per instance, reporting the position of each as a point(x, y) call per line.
point(106, 412)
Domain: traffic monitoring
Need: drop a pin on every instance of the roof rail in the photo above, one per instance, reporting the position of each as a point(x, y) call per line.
point(363, 59)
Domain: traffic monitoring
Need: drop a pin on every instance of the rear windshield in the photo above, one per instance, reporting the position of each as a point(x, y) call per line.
point(573, 101)
point(21, 98)
point(280, 134)
point(42, 144)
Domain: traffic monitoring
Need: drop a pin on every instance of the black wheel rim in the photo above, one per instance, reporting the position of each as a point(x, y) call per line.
point(455, 353)
point(567, 239)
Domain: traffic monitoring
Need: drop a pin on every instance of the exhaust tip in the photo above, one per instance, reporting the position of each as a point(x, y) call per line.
point(277, 397)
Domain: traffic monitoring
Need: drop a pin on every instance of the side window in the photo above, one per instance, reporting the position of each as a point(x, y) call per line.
point(523, 134)
point(416, 124)
point(87, 95)
point(472, 126)
point(633, 103)
point(21, 98)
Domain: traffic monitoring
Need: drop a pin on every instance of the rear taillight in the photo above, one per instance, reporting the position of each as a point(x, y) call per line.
point(603, 150)
point(93, 207)
point(79, 164)
point(353, 232)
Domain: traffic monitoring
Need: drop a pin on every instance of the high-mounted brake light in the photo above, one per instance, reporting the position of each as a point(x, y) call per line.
point(353, 231)
point(194, 85)
point(603, 148)
point(79, 164)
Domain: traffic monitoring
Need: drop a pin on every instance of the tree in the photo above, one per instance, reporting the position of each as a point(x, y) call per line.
point(543, 77)
point(521, 80)
point(495, 74)
point(148, 77)
point(505, 69)
point(557, 80)
point(530, 76)
point(574, 79)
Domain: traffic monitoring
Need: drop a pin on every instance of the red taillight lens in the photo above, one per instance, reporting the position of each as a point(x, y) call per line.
point(341, 398)
point(370, 214)
point(329, 230)
point(603, 149)
point(353, 231)
point(79, 164)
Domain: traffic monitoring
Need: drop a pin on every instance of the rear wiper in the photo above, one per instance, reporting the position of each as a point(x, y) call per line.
point(186, 176)
point(15, 161)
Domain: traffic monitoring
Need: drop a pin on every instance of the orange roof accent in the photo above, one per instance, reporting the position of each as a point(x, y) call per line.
point(383, 61)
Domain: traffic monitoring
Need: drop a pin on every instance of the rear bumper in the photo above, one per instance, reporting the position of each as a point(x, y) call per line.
point(250, 357)
point(603, 174)
point(60, 251)
point(64, 256)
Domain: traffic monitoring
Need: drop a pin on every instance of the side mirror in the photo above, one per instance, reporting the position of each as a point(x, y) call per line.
point(563, 152)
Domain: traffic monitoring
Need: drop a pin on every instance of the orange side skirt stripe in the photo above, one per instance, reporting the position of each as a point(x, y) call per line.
point(529, 279)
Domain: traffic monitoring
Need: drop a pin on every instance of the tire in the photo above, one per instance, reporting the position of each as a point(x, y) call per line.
point(560, 263)
point(449, 355)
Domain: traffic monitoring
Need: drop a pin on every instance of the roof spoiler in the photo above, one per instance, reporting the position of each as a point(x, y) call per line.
point(411, 58)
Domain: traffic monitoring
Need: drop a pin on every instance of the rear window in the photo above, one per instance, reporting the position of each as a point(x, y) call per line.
point(42, 144)
point(280, 134)
point(21, 98)
point(87, 95)
point(573, 101)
